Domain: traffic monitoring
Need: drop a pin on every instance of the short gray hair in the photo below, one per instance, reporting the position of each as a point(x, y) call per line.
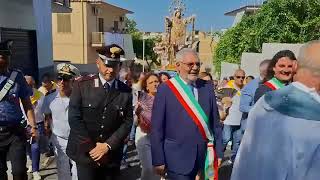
point(305, 61)
point(182, 53)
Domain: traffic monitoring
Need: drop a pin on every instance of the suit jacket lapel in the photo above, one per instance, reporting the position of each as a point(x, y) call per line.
point(100, 91)
point(202, 96)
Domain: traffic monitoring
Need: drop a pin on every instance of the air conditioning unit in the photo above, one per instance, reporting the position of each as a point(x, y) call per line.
point(96, 11)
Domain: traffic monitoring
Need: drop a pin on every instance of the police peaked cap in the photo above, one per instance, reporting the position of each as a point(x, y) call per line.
point(5, 48)
point(110, 54)
point(66, 69)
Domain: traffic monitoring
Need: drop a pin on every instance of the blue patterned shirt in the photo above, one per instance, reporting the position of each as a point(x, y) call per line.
point(10, 111)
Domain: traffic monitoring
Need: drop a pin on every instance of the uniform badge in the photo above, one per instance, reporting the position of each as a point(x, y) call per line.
point(96, 82)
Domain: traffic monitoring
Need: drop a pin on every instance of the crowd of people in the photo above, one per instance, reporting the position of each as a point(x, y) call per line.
point(181, 126)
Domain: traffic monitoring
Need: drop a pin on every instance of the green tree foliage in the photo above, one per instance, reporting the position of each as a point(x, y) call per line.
point(278, 21)
point(137, 40)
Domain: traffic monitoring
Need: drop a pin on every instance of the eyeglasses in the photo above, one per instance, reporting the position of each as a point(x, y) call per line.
point(191, 65)
point(240, 77)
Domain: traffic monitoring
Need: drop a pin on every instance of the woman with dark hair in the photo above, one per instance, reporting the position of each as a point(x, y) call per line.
point(164, 76)
point(149, 84)
point(280, 73)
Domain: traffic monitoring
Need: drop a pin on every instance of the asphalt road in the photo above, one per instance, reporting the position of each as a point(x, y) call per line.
point(127, 173)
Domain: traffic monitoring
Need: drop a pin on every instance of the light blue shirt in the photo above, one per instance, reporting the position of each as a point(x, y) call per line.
point(193, 88)
point(247, 95)
point(58, 107)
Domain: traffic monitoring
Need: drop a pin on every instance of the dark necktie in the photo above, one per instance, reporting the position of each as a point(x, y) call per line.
point(106, 86)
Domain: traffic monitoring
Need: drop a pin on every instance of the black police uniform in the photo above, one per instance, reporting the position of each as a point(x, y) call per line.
point(98, 115)
point(12, 133)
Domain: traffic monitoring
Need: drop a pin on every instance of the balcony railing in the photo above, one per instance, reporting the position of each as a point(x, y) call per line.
point(97, 39)
point(65, 3)
point(90, 1)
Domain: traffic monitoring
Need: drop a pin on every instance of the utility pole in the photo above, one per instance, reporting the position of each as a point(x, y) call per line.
point(143, 49)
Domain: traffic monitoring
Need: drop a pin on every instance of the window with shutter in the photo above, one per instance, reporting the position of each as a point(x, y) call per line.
point(63, 23)
point(101, 25)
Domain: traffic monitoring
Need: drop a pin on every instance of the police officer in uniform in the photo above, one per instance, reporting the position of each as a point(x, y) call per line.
point(13, 89)
point(100, 118)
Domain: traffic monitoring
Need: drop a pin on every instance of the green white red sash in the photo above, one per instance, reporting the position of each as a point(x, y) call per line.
point(274, 84)
point(195, 111)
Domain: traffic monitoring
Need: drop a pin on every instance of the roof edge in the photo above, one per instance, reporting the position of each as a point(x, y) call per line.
point(235, 11)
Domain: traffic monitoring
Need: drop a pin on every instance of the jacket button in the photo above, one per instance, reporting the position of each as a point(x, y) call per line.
point(102, 126)
point(89, 105)
point(103, 117)
point(105, 108)
point(101, 135)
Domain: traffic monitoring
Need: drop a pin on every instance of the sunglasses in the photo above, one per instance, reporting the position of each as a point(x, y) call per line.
point(191, 65)
point(64, 78)
point(240, 77)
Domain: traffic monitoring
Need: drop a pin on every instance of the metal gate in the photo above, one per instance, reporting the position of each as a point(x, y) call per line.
point(24, 50)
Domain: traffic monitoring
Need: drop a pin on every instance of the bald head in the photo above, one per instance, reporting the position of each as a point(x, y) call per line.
point(309, 57)
point(308, 71)
point(239, 71)
point(239, 76)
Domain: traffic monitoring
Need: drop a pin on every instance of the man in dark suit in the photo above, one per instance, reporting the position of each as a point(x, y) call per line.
point(178, 148)
point(100, 118)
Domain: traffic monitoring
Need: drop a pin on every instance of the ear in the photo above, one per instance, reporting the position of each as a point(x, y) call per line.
point(178, 64)
point(295, 66)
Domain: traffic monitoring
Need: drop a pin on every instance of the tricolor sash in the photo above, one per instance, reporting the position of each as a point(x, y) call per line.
point(195, 111)
point(274, 84)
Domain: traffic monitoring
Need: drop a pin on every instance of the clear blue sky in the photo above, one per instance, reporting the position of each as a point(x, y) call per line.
point(149, 14)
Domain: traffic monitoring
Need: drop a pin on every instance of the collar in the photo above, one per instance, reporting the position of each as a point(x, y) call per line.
point(261, 78)
point(304, 88)
point(104, 81)
point(193, 83)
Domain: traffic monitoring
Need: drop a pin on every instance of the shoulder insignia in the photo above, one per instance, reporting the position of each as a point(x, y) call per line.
point(17, 70)
point(86, 78)
point(77, 78)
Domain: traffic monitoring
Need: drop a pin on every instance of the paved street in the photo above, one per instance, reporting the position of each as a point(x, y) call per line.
point(127, 173)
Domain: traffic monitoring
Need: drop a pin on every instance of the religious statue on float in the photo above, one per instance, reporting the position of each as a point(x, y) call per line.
point(175, 36)
point(176, 27)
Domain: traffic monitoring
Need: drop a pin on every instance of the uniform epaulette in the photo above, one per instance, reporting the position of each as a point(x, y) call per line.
point(50, 92)
point(86, 77)
point(17, 70)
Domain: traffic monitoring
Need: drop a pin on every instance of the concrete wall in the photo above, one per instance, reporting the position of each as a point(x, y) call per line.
point(228, 69)
point(205, 52)
point(76, 46)
point(270, 49)
point(42, 14)
point(250, 63)
point(17, 14)
point(31, 15)
point(69, 46)
point(109, 14)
